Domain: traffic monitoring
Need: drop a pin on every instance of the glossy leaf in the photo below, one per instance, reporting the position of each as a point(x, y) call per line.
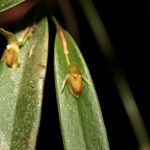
point(7, 4)
point(21, 90)
point(81, 119)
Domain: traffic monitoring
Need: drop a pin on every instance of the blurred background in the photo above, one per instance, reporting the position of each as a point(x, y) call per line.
point(127, 24)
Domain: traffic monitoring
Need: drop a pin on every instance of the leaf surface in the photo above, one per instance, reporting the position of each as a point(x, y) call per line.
point(21, 90)
point(81, 119)
point(7, 4)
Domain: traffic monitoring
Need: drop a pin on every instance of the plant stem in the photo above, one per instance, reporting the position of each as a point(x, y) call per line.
point(26, 35)
point(69, 18)
point(63, 40)
point(56, 22)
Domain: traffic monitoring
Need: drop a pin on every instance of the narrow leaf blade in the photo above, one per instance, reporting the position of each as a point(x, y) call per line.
point(7, 4)
point(81, 119)
point(21, 91)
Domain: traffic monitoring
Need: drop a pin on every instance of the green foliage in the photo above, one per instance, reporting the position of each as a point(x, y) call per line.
point(7, 4)
point(81, 119)
point(21, 90)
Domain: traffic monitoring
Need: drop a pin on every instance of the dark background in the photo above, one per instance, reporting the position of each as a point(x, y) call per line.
point(127, 25)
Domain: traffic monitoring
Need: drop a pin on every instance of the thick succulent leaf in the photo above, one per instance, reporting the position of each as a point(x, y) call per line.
point(21, 90)
point(7, 4)
point(81, 119)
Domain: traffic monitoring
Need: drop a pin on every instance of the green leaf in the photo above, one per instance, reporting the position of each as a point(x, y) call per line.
point(7, 4)
point(81, 119)
point(21, 90)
